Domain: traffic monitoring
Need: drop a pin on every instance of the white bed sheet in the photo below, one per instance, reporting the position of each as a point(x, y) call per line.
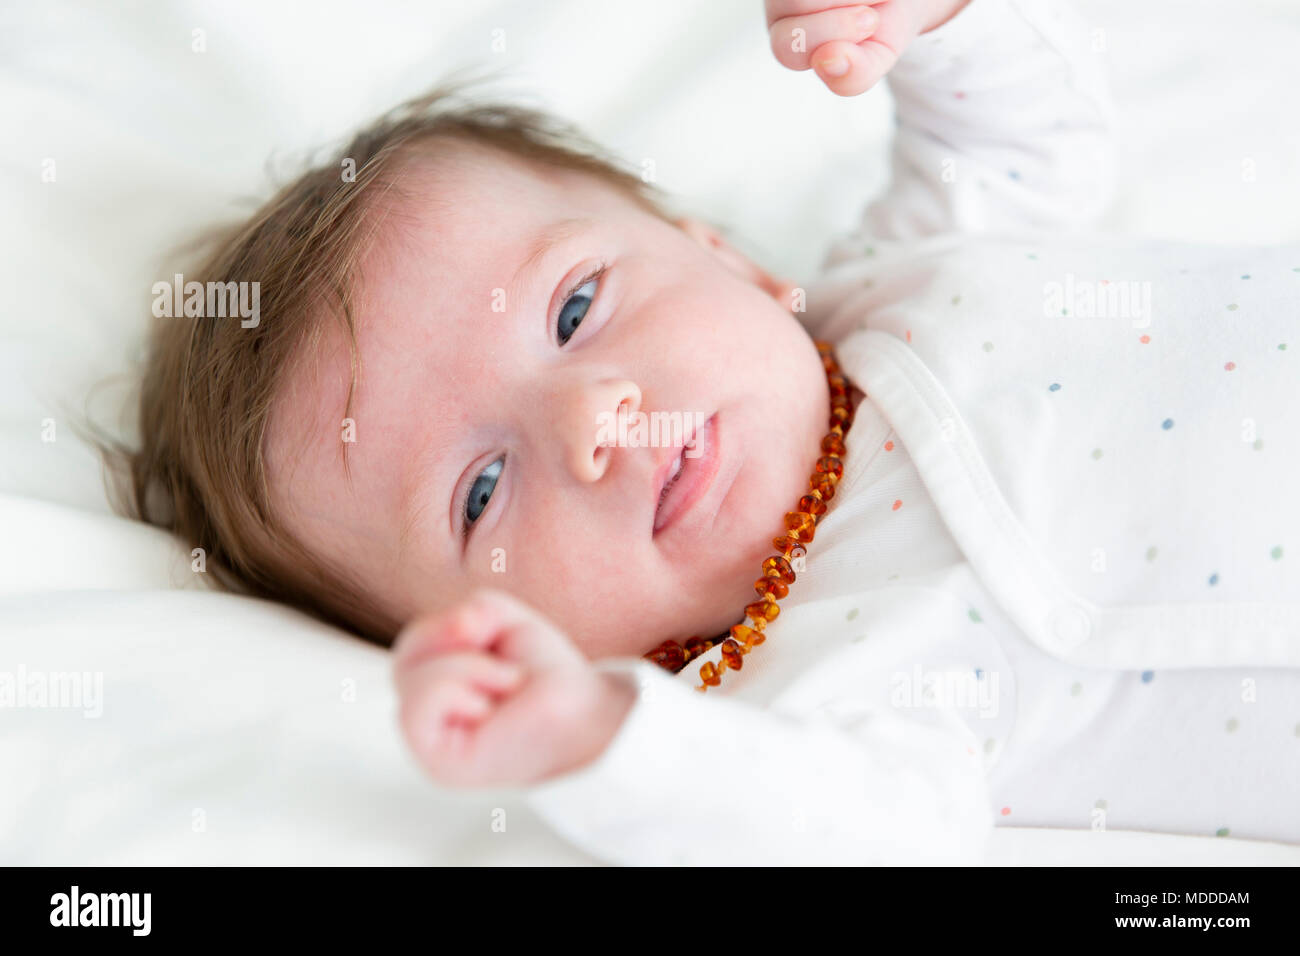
point(235, 731)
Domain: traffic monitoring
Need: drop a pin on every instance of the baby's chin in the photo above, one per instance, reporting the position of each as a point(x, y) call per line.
point(721, 577)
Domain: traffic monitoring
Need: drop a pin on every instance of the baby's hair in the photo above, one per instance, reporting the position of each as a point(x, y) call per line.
point(209, 383)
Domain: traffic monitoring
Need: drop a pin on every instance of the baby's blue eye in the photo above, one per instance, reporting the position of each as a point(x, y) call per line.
point(574, 309)
point(481, 491)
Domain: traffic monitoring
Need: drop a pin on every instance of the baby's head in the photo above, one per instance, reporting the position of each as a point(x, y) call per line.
point(424, 404)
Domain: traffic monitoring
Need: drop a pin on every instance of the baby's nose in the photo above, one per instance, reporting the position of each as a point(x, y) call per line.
point(597, 425)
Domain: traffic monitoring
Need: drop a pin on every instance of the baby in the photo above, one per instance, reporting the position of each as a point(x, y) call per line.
point(1044, 509)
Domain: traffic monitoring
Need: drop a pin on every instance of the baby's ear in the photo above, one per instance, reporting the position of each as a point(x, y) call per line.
point(709, 237)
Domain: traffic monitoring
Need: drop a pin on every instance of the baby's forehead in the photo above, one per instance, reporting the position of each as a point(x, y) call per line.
point(455, 232)
point(470, 187)
point(460, 228)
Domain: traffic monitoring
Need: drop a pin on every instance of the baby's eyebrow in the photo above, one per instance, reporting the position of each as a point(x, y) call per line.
point(547, 240)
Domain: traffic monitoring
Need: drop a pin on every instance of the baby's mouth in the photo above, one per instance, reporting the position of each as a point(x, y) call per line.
point(672, 478)
point(687, 478)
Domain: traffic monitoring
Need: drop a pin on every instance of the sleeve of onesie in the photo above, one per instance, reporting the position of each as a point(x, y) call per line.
point(702, 779)
point(1003, 124)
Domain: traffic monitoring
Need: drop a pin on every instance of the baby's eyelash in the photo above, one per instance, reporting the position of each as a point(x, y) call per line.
point(466, 526)
point(595, 273)
point(591, 278)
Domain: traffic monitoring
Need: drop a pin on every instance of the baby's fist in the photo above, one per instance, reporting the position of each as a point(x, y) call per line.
point(492, 694)
point(850, 47)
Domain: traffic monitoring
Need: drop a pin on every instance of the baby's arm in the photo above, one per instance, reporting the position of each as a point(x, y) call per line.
point(636, 768)
point(700, 779)
point(1004, 124)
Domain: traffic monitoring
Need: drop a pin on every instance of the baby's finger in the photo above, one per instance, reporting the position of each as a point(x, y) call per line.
point(437, 713)
point(467, 625)
point(848, 69)
point(524, 634)
point(782, 9)
point(482, 670)
point(794, 38)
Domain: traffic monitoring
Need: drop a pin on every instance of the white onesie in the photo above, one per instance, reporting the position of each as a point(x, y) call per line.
point(1054, 586)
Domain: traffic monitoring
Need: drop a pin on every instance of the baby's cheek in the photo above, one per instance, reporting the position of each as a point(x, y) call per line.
point(591, 585)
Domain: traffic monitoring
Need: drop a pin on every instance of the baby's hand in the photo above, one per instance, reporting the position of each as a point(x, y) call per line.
point(850, 47)
point(493, 695)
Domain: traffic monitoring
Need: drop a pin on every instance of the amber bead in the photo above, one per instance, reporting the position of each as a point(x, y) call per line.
point(709, 674)
point(833, 445)
point(790, 547)
point(813, 505)
point(763, 610)
point(778, 567)
point(800, 525)
point(771, 585)
point(825, 348)
point(824, 485)
point(830, 465)
point(670, 655)
point(731, 654)
point(696, 646)
point(747, 636)
point(841, 415)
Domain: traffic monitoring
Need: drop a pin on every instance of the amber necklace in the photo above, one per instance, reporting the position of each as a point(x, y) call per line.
point(777, 573)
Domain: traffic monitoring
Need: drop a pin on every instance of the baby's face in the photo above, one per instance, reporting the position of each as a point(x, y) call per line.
point(485, 376)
